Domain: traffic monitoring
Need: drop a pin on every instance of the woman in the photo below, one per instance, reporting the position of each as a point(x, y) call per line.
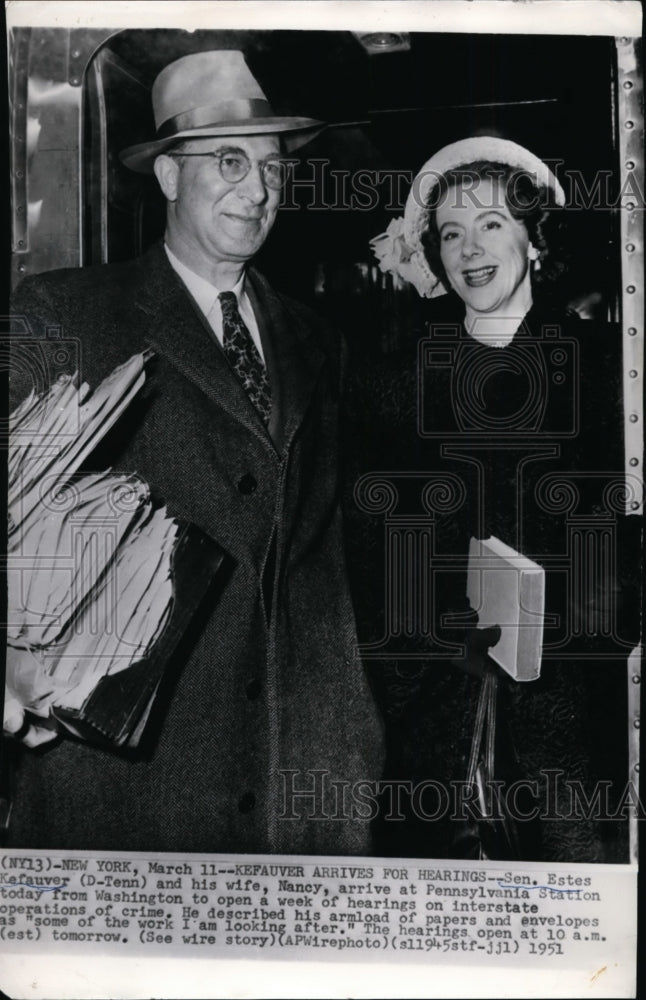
point(517, 406)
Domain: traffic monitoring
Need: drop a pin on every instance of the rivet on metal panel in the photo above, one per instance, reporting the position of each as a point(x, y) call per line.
point(634, 505)
point(21, 243)
point(629, 124)
point(633, 373)
point(630, 165)
point(627, 83)
point(633, 418)
point(22, 268)
point(630, 248)
point(636, 678)
point(637, 767)
point(74, 81)
point(636, 723)
point(76, 53)
point(630, 206)
point(634, 461)
point(631, 289)
point(632, 331)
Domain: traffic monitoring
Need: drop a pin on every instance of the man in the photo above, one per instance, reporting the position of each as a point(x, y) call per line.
point(237, 429)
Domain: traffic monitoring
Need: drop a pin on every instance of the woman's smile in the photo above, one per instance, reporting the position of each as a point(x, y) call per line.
point(476, 277)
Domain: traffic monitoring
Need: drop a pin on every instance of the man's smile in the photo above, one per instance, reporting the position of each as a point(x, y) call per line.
point(243, 218)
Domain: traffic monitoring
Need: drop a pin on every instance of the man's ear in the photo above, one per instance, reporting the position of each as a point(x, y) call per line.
point(167, 172)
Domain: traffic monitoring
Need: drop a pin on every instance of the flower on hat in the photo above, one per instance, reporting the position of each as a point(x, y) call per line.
point(395, 256)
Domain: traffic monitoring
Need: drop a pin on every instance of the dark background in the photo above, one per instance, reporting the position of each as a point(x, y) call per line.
point(390, 111)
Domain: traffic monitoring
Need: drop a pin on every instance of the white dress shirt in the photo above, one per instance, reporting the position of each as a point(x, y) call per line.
point(206, 296)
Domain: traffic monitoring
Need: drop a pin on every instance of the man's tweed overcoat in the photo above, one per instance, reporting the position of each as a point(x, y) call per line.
point(265, 689)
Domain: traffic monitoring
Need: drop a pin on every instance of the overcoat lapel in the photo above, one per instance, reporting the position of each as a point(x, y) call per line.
point(294, 359)
point(176, 330)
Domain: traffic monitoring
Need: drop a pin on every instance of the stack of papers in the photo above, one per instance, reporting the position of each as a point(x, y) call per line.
point(89, 556)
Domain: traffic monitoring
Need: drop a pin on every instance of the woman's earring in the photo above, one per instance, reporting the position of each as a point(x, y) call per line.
point(534, 256)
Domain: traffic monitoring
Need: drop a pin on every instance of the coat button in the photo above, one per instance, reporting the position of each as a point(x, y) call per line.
point(247, 802)
point(247, 484)
point(253, 689)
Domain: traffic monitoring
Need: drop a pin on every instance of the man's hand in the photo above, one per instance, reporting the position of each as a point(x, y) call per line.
point(16, 725)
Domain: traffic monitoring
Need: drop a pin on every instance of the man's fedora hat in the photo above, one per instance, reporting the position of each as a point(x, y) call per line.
point(212, 94)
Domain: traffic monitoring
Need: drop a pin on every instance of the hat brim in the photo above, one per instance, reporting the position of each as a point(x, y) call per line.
point(458, 154)
point(295, 132)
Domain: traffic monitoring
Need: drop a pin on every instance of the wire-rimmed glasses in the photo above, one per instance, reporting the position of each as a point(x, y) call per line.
point(234, 166)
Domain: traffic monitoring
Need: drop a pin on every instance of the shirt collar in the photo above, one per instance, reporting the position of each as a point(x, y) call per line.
point(204, 293)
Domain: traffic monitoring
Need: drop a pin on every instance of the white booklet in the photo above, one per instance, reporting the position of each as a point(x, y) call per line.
point(508, 590)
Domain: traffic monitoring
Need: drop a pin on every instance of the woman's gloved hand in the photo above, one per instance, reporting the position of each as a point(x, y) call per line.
point(477, 642)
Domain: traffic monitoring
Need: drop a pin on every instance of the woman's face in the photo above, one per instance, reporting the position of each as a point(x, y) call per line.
point(484, 250)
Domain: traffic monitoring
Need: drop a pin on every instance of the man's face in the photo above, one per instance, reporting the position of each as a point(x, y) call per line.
point(218, 220)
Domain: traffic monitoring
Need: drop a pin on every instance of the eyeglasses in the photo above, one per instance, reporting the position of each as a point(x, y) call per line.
point(234, 167)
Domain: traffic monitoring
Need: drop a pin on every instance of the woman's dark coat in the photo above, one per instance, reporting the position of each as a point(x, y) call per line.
point(477, 441)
